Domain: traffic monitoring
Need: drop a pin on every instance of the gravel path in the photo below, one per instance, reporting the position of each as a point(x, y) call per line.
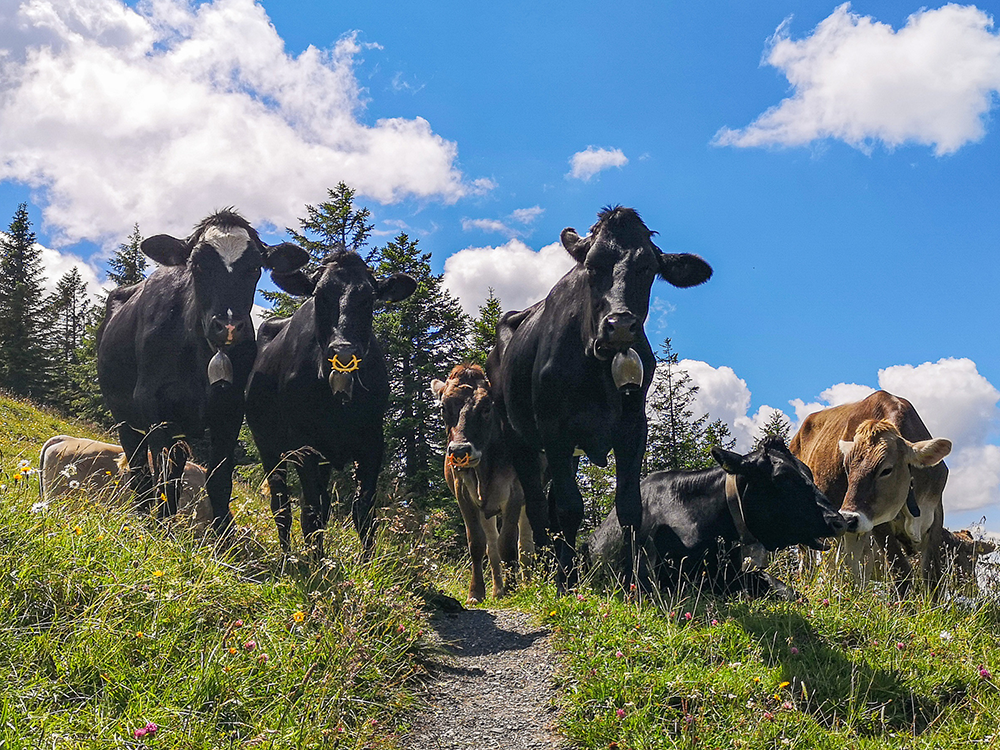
point(493, 689)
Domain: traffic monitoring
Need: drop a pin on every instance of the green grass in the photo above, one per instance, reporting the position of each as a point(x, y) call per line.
point(846, 668)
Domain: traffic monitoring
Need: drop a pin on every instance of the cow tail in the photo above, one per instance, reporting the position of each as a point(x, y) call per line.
point(41, 472)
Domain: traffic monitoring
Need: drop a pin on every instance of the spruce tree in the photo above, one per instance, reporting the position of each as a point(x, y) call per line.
point(25, 366)
point(70, 312)
point(674, 431)
point(777, 425)
point(128, 265)
point(328, 226)
point(422, 336)
point(484, 330)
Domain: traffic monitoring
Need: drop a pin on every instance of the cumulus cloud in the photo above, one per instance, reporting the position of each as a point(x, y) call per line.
point(518, 275)
point(55, 264)
point(932, 82)
point(585, 164)
point(835, 395)
point(524, 217)
point(160, 113)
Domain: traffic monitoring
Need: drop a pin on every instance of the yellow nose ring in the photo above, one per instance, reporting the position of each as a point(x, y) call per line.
point(459, 463)
point(351, 366)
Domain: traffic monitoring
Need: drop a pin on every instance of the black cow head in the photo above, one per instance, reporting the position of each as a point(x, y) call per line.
point(344, 293)
point(781, 504)
point(621, 262)
point(466, 404)
point(224, 257)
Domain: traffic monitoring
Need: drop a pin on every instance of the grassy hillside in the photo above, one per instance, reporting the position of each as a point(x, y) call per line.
point(111, 623)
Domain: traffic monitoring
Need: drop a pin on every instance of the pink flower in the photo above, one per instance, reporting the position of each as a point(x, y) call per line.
point(250, 645)
point(769, 716)
point(793, 651)
point(237, 624)
point(580, 597)
point(151, 728)
point(139, 733)
point(714, 623)
point(984, 673)
point(621, 713)
point(688, 616)
point(900, 646)
point(262, 658)
point(826, 602)
point(619, 654)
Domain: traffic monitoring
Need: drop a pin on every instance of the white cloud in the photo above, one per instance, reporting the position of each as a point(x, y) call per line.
point(55, 264)
point(932, 82)
point(161, 113)
point(835, 395)
point(523, 216)
point(518, 275)
point(585, 164)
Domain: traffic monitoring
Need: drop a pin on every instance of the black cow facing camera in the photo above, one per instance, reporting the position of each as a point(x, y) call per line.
point(571, 373)
point(711, 521)
point(319, 391)
point(174, 353)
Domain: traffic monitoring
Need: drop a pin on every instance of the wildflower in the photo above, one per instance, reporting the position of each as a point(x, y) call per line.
point(900, 646)
point(689, 718)
point(784, 685)
point(788, 705)
point(553, 613)
point(984, 673)
point(826, 602)
point(714, 623)
point(139, 634)
point(237, 624)
point(262, 658)
point(793, 651)
point(580, 597)
point(23, 465)
point(73, 484)
point(401, 628)
point(17, 478)
point(945, 636)
point(151, 728)
point(139, 733)
point(158, 574)
point(232, 649)
point(39, 507)
point(77, 530)
point(620, 713)
point(250, 645)
point(768, 716)
point(619, 654)
point(688, 616)
point(299, 616)
point(69, 471)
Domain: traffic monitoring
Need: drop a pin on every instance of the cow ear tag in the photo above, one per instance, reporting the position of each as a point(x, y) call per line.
point(220, 368)
point(626, 370)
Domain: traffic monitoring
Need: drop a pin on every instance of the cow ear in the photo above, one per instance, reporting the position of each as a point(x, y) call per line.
point(731, 463)
point(437, 388)
point(165, 250)
point(929, 452)
point(684, 269)
point(285, 258)
point(576, 246)
point(396, 288)
point(297, 283)
point(846, 446)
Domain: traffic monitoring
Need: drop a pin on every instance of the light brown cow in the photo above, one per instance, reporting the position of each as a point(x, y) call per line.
point(877, 462)
point(70, 463)
point(478, 471)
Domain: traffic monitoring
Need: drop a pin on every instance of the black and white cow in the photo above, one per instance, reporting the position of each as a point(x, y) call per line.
point(696, 522)
point(319, 391)
point(174, 353)
point(571, 373)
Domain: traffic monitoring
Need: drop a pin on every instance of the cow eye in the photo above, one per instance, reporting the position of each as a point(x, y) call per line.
point(885, 472)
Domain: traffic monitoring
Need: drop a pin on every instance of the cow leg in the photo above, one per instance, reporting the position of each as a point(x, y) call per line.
point(476, 537)
point(568, 503)
point(276, 472)
point(510, 532)
point(489, 525)
point(629, 449)
point(366, 473)
point(140, 480)
point(311, 512)
point(932, 552)
point(169, 456)
point(225, 435)
point(325, 472)
point(528, 467)
point(525, 543)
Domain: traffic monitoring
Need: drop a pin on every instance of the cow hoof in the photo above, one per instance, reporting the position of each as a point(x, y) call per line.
point(472, 601)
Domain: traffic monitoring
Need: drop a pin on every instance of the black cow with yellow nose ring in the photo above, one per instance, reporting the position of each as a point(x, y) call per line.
point(319, 390)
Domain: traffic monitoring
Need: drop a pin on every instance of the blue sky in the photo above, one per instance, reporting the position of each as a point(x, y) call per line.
point(836, 165)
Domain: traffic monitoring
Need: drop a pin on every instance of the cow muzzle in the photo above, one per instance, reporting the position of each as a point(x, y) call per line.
point(617, 333)
point(462, 455)
point(225, 330)
point(856, 523)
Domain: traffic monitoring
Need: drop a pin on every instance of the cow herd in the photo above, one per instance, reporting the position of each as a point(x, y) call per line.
point(567, 377)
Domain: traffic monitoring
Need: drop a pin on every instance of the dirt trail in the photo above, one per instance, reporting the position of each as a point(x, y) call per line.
point(493, 690)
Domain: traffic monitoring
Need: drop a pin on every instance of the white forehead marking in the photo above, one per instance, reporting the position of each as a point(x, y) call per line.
point(230, 243)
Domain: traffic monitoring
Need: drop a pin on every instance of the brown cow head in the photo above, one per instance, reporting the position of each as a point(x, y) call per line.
point(878, 463)
point(467, 404)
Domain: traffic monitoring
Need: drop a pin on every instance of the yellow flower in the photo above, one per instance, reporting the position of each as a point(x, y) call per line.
point(158, 573)
point(299, 616)
point(232, 649)
point(553, 613)
point(77, 530)
point(784, 685)
point(139, 634)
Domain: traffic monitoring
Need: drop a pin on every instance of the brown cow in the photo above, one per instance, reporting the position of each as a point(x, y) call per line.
point(877, 462)
point(479, 473)
point(69, 463)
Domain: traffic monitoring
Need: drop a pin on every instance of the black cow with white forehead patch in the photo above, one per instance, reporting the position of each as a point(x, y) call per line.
point(319, 391)
point(696, 522)
point(174, 353)
point(571, 373)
